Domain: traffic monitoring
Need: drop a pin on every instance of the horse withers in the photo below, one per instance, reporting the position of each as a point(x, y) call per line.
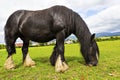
point(57, 22)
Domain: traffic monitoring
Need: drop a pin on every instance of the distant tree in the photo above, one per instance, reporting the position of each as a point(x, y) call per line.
point(42, 44)
point(2, 46)
point(111, 37)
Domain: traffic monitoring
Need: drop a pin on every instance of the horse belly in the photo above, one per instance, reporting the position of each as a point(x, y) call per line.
point(42, 37)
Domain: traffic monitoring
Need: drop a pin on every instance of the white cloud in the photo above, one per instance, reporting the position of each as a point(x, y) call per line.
point(106, 20)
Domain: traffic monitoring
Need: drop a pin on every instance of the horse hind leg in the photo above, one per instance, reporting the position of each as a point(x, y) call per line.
point(27, 61)
point(11, 34)
point(10, 46)
point(54, 56)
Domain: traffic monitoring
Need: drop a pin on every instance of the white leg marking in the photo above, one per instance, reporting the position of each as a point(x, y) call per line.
point(28, 61)
point(9, 64)
point(60, 66)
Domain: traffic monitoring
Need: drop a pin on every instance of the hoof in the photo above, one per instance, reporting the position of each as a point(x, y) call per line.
point(9, 63)
point(9, 66)
point(60, 66)
point(29, 62)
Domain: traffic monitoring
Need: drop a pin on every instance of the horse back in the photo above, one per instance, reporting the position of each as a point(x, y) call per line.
point(44, 24)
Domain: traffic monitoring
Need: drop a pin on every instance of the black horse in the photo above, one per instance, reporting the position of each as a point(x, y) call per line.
point(57, 22)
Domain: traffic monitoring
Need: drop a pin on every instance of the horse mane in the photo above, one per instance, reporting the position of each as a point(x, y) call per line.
point(68, 15)
point(73, 20)
point(82, 33)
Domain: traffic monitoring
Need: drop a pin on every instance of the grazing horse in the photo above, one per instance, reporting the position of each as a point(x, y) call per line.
point(57, 22)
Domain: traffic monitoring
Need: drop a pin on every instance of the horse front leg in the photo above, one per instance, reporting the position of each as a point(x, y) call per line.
point(60, 64)
point(27, 61)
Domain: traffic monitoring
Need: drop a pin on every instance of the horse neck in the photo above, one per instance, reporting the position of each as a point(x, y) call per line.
point(82, 32)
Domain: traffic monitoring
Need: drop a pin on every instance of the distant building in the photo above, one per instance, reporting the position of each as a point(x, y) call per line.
point(68, 41)
point(35, 44)
point(18, 44)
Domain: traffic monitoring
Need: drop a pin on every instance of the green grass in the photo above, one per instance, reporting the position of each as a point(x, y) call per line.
point(107, 69)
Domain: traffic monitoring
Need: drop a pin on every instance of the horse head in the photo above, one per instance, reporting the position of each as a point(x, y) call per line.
point(93, 52)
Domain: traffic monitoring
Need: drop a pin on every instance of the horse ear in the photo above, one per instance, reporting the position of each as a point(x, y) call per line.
point(92, 37)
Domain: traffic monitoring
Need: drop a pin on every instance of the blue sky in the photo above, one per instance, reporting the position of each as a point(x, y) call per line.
point(100, 15)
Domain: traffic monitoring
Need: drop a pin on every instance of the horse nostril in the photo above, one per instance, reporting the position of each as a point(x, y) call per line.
point(92, 64)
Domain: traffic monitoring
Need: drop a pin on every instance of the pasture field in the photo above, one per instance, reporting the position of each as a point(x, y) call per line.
point(107, 69)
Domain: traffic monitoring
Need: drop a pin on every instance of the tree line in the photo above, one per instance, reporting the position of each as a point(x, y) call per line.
point(108, 38)
point(2, 46)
